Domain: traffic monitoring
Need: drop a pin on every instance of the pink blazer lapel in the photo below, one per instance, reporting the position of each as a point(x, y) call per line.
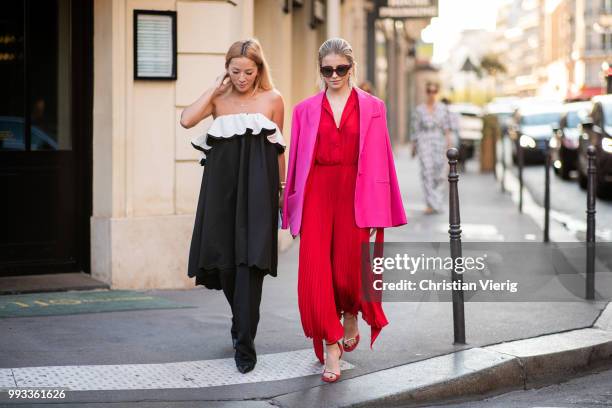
point(312, 126)
point(366, 111)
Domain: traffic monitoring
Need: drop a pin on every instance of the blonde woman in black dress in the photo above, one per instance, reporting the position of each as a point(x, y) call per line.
point(234, 242)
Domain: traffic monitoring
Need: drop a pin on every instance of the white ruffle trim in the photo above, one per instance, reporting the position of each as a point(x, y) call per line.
point(227, 126)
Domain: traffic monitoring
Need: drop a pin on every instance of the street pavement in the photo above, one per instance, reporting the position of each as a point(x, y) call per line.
point(417, 331)
point(567, 200)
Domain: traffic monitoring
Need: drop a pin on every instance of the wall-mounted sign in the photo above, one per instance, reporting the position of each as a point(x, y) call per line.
point(289, 5)
point(407, 9)
point(317, 13)
point(154, 44)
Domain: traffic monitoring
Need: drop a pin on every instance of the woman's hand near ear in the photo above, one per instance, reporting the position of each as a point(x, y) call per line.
point(204, 105)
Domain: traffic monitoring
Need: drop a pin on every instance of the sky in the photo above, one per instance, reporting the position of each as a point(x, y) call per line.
point(456, 16)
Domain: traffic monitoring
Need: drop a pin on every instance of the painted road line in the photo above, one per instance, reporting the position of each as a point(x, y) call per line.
point(187, 374)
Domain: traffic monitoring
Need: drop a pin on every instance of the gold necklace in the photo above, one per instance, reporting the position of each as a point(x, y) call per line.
point(249, 100)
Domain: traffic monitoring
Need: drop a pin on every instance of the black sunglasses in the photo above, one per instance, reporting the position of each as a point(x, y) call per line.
point(432, 90)
point(341, 70)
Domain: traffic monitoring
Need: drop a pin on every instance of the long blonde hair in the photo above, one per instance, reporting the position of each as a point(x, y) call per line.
point(251, 49)
point(338, 46)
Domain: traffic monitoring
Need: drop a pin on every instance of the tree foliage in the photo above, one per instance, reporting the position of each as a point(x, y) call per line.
point(491, 64)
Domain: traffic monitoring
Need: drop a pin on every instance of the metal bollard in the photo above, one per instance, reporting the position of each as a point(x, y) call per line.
point(521, 164)
point(454, 232)
point(547, 196)
point(590, 232)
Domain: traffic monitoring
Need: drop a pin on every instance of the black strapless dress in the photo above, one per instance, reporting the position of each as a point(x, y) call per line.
point(237, 215)
point(235, 236)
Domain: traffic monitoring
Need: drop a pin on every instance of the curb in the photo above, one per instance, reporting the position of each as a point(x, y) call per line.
point(477, 372)
point(569, 353)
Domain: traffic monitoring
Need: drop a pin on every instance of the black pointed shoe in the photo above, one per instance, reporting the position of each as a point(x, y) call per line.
point(244, 367)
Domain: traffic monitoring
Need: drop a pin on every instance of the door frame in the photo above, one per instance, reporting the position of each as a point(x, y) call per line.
point(82, 124)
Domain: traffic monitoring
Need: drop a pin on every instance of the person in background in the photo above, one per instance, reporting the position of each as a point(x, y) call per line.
point(368, 87)
point(431, 134)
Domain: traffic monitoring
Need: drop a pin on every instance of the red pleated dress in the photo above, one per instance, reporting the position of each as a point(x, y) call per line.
point(329, 274)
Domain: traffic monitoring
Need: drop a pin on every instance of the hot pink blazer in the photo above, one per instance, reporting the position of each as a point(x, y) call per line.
point(378, 202)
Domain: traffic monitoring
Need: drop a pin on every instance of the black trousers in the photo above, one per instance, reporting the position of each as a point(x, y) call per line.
point(242, 287)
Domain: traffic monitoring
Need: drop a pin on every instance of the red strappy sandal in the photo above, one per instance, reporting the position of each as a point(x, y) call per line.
point(348, 349)
point(336, 376)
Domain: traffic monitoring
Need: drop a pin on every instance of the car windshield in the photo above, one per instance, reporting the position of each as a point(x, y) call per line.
point(574, 118)
point(549, 118)
point(607, 114)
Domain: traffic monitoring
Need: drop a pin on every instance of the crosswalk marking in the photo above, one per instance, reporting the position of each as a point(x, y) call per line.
point(187, 374)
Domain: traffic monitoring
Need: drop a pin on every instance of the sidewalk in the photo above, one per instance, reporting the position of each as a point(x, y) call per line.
point(414, 359)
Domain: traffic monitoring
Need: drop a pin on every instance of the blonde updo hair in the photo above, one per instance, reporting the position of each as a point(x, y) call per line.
point(338, 46)
point(251, 49)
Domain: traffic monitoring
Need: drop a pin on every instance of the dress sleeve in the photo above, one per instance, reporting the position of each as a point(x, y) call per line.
point(447, 121)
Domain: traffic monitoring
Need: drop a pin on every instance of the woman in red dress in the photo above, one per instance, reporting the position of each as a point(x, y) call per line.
point(329, 275)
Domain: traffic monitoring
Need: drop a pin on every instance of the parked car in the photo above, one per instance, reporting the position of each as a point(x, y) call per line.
point(564, 143)
point(12, 136)
point(470, 128)
point(532, 128)
point(597, 131)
